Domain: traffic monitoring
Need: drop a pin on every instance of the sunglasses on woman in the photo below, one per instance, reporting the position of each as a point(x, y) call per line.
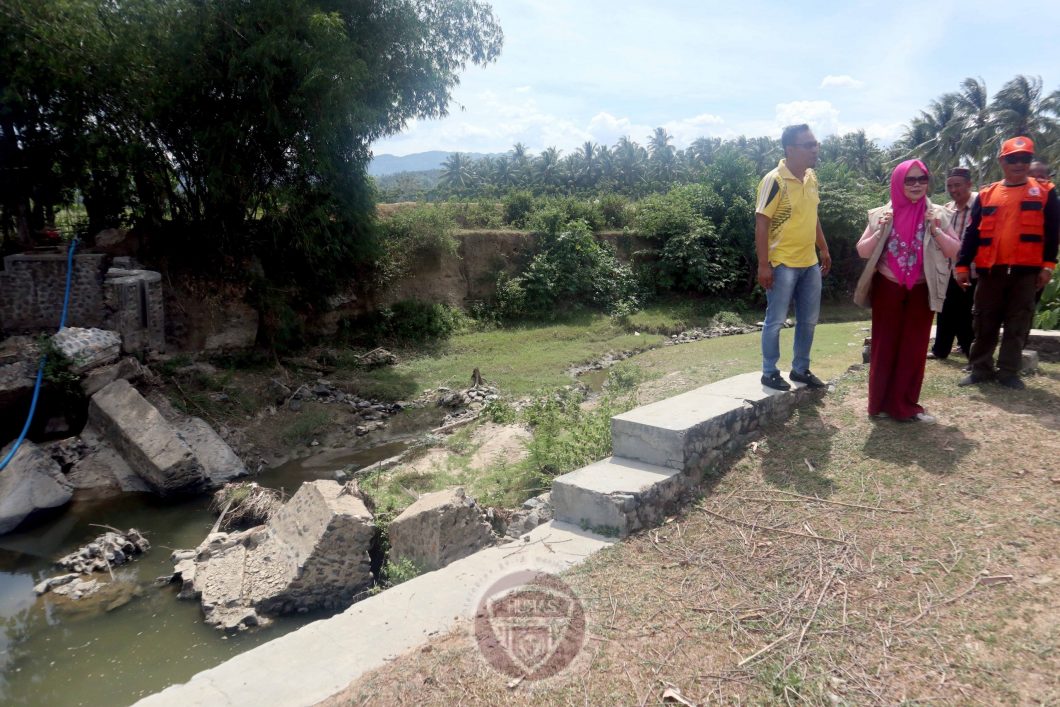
point(922, 179)
point(1018, 158)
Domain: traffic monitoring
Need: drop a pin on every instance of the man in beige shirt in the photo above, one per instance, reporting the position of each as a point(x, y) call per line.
point(955, 319)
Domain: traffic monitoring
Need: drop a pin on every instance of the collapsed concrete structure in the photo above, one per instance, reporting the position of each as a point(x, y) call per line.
point(439, 528)
point(312, 554)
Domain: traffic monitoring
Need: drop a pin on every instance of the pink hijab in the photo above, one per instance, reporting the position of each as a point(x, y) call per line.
point(905, 252)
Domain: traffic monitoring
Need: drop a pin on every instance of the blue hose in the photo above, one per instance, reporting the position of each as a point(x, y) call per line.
point(44, 359)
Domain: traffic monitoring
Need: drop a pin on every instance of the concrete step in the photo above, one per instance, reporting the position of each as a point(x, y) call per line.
point(615, 496)
point(693, 430)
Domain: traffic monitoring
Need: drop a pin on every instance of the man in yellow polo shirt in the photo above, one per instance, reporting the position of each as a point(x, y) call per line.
point(786, 231)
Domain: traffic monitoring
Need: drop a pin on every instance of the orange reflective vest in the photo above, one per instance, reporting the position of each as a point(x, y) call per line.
point(1012, 225)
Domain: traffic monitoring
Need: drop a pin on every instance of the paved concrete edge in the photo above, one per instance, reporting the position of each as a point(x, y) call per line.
point(320, 659)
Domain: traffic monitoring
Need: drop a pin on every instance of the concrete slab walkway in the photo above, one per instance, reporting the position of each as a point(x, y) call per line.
point(318, 660)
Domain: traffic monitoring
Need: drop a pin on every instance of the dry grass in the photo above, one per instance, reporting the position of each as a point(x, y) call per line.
point(838, 561)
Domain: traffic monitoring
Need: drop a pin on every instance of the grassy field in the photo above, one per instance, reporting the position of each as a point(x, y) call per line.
point(837, 560)
point(533, 358)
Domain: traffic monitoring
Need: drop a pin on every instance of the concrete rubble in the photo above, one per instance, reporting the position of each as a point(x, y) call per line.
point(88, 348)
point(30, 483)
point(534, 512)
point(107, 551)
point(181, 458)
point(312, 554)
point(439, 528)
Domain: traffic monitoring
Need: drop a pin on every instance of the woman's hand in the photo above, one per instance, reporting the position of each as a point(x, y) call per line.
point(886, 218)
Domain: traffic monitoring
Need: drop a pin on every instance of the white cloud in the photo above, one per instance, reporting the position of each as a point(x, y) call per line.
point(821, 116)
point(842, 81)
point(606, 129)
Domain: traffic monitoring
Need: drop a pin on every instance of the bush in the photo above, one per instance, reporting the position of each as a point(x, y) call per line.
point(1048, 316)
point(410, 233)
point(571, 270)
point(397, 571)
point(518, 206)
point(551, 214)
point(692, 255)
point(407, 321)
point(614, 208)
point(485, 213)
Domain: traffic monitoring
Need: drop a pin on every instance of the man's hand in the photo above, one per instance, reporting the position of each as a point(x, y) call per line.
point(1044, 277)
point(826, 262)
point(963, 279)
point(765, 276)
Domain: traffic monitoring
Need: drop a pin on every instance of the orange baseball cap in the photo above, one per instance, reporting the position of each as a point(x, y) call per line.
point(1017, 144)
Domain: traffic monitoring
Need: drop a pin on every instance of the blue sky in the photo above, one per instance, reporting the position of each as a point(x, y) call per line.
point(578, 70)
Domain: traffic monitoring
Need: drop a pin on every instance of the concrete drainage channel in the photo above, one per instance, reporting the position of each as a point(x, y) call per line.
point(662, 451)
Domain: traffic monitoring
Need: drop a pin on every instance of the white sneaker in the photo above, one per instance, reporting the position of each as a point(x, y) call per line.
point(925, 418)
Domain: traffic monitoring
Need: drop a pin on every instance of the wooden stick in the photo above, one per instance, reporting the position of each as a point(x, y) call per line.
point(772, 645)
point(841, 503)
point(816, 606)
point(752, 526)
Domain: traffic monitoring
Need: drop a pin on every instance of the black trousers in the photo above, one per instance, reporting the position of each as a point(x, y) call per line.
point(955, 320)
point(1002, 298)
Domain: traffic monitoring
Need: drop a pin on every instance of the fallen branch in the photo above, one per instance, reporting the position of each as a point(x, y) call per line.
point(772, 645)
point(753, 526)
point(841, 503)
point(816, 606)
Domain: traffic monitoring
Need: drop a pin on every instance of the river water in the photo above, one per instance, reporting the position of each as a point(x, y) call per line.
point(142, 639)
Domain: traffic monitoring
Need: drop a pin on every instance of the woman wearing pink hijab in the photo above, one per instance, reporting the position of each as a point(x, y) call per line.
point(909, 250)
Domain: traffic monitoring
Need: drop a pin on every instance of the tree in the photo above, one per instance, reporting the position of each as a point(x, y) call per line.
point(246, 124)
point(458, 173)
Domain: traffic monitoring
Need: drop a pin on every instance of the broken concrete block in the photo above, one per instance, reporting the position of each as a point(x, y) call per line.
point(128, 369)
point(149, 444)
point(219, 462)
point(440, 528)
point(88, 348)
point(31, 482)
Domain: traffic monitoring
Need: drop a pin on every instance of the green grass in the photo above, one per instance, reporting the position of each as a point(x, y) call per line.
point(675, 369)
point(519, 360)
point(308, 424)
point(531, 358)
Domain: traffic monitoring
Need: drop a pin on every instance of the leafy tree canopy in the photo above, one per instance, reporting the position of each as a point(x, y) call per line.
point(247, 124)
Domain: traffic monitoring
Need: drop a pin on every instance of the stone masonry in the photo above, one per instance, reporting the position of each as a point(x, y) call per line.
point(32, 286)
point(121, 299)
point(439, 528)
point(664, 449)
point(312, 554)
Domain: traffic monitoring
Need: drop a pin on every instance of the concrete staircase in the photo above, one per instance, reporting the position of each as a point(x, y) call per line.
point(664, 449)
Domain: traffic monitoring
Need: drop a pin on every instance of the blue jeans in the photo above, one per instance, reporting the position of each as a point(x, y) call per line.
point(803, 285)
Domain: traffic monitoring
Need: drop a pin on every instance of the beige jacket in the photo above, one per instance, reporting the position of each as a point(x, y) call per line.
point(936, 261)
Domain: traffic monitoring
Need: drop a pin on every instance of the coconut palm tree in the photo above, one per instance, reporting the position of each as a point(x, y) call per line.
point(629, 159)
point(973, 107)
point(547, 169)
point(458, 175)
point(662, 157)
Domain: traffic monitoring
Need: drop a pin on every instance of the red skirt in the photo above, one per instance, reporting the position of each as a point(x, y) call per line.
point(901, 331)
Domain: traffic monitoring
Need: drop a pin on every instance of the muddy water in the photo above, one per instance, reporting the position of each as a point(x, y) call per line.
point(142, 638)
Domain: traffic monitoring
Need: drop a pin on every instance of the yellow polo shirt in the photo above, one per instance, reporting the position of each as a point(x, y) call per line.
point(791, 205)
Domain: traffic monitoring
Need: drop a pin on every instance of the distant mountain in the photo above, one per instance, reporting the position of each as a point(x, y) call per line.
point(382, 165)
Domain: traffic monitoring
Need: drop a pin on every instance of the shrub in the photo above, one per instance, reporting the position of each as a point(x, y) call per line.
point(1048, 316)
point(397, 571)
point(614, 208)
point(570, 270)
point(517, 207)
point(692, 255)
point(551, 214)
point(407, 321)
point(410, 233)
